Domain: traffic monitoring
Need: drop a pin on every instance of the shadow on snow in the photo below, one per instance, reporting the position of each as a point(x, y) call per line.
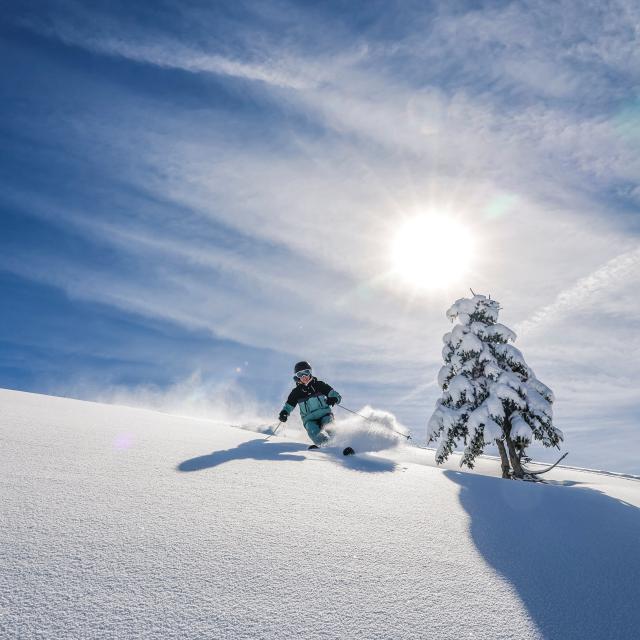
point(256, 449)
point(259, 449)
point(365, 463)
point(571, 553)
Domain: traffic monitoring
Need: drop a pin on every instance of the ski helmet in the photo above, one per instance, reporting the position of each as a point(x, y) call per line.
point(301, 366)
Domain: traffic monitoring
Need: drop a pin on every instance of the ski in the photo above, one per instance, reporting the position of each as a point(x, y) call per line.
point(537, 473)
point(347, 451)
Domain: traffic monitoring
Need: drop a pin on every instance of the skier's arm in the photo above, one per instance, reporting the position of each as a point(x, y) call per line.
point(289, 406)
point(333, 397)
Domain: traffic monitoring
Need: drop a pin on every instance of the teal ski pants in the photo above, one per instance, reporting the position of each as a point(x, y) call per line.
point(315, 429)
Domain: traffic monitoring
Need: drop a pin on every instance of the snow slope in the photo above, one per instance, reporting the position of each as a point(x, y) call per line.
point(126, 523)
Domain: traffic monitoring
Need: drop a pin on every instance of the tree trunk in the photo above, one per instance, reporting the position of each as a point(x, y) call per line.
point(504, 461)
point(518, 472)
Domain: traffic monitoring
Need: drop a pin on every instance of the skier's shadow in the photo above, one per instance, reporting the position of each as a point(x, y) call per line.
point(571, 553)
point(256, 449)
point(259, 449)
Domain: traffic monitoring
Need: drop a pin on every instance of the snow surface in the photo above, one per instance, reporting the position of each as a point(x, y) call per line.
point(125, 523)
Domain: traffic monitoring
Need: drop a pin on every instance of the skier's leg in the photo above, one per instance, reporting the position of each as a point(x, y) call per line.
point(324, 422)
point(314, 429)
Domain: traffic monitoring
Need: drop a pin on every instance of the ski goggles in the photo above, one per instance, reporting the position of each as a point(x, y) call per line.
point(303, 373)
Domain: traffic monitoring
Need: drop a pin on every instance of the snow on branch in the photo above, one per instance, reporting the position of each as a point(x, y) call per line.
point(489, 392)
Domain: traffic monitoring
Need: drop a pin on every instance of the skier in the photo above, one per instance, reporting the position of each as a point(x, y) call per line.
point(315, 399)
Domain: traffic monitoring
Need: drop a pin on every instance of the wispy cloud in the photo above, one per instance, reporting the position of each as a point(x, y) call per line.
point(621, 273)
point(258, 202)
point(260, 61)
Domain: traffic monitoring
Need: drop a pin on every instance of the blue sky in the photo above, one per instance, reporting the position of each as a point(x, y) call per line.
point(196, 195)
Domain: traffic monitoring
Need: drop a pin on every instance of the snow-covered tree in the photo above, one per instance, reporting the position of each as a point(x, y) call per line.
point(489, 394)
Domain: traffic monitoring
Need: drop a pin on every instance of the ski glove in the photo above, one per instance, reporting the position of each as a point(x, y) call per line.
point(283, 416)
point(332, 401)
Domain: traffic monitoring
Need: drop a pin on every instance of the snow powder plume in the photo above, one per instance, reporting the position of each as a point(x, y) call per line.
point(372, 430)
point(194, 398)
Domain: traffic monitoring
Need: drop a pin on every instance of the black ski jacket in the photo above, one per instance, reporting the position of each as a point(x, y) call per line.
point(312, 399)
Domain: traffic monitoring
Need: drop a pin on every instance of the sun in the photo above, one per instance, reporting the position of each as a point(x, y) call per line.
point(431, 252)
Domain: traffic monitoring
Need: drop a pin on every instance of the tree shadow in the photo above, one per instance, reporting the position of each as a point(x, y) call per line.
point(572, 554)
point(256, 449)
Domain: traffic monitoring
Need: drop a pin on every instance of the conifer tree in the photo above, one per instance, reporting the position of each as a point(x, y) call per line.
point(489, 393)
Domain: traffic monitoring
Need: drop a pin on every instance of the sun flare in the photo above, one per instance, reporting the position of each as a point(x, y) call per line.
point(432, 252)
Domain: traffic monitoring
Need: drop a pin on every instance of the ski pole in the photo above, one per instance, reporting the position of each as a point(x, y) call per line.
point(404, 435)
point(274, 430)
